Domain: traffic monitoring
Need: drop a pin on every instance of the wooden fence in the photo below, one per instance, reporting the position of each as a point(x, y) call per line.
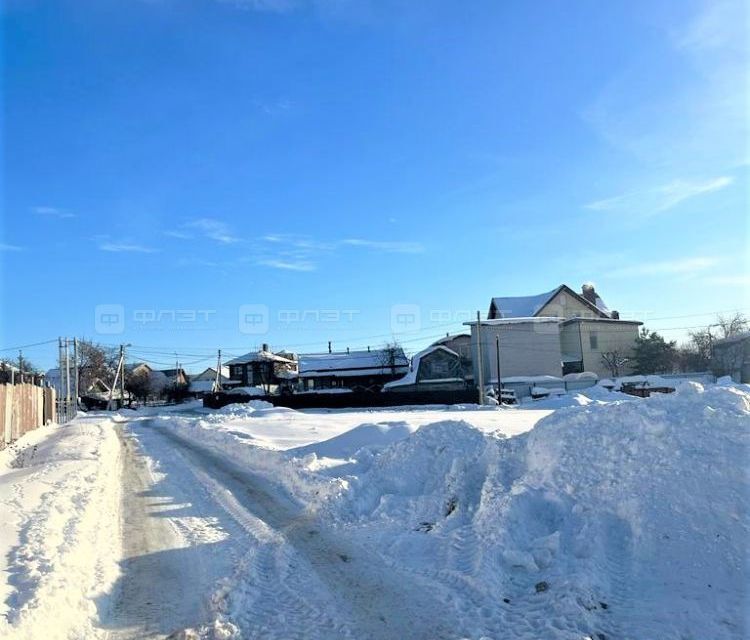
point(24, 407)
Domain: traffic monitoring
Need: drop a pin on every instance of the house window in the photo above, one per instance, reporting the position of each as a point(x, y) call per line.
point(593, 341)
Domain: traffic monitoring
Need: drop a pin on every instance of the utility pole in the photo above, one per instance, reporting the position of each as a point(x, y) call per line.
point(122, 376)
point(59, 389)
point(499, 383)
point(75, 370)
point(480, 367)
point(217, 382)
point(67, 373)
point(114, 382)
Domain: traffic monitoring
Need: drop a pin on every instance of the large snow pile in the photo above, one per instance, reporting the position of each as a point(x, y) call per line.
point(619, 520)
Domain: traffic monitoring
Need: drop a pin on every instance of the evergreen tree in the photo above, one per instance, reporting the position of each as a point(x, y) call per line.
point(653, 354)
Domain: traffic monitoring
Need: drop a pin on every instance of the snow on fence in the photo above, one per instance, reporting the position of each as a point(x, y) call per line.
point(24, 407)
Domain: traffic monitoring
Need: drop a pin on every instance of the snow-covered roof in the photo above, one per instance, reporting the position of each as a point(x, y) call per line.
point(354, 363)
point(411, 376)
point(523, 320)
point(616, 320)
point(260, 356)
point(209, 374)
point(202, 385)
point(522, 306)
point(451, 338)
point(525, 306)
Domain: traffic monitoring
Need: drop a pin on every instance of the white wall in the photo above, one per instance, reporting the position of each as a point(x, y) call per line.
point(609, 336)
point(526, 349)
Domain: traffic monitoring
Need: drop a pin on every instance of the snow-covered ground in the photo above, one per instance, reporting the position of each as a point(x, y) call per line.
point(591, 515)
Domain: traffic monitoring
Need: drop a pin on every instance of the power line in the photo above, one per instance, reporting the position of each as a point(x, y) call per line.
point(29, 346)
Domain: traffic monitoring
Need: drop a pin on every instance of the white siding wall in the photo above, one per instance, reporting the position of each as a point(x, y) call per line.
point(563, 305)
point(526, 349)
point(608, 336)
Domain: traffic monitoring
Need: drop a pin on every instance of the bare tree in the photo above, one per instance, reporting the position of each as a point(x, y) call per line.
point(95, 362)
point(392, 356)
point(732, 325)
point(614, 361)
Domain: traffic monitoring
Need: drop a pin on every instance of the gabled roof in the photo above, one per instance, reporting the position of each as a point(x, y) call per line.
point(209, 374)
point(530, 306)
point(260, 356)
point(354, 363)
point(411, 376)
point(451, 338)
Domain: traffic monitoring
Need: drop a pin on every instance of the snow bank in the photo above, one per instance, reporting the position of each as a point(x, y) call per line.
point(59, 499)
point(626, 519)
point(371, 436)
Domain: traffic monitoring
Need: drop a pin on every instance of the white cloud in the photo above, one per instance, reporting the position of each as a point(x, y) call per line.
point(661, 198)
point(125, 247)
point(213, 229)
point(180, 235)
point(9, 247)
point(52, 212)
point(678, 267)
point(385, 246)
point(288, 265)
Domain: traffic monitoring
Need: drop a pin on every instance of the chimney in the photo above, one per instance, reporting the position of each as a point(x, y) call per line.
point(589, 293)
point(615, 315)
point(347, 351)
point(329, 346)
point(264, 347)
point(368, 348)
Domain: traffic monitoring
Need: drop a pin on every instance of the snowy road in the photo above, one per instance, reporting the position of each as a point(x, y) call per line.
point(303, 570)
point(436, 524)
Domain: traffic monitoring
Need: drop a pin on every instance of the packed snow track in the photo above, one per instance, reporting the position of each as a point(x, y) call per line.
point(305, 580)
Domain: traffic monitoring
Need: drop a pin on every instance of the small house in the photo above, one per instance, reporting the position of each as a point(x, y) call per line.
point(731, 357)
point(367, 369)
point(437, 368)
point(203, 382)
point(262, 368)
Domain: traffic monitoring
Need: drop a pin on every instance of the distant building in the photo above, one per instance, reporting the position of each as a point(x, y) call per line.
point(437, 368)
point(174, 377)
point(731, 357)
point(203, 382)
point(587, 344)
point(262, 368)
point(590, 335)
point(368, 369)
point(461, 344)
point(527, 347)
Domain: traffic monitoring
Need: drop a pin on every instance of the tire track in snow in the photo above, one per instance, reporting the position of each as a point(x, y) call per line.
point(347, 588)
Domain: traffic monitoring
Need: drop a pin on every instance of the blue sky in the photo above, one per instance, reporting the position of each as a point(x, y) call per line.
point(333, 164)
